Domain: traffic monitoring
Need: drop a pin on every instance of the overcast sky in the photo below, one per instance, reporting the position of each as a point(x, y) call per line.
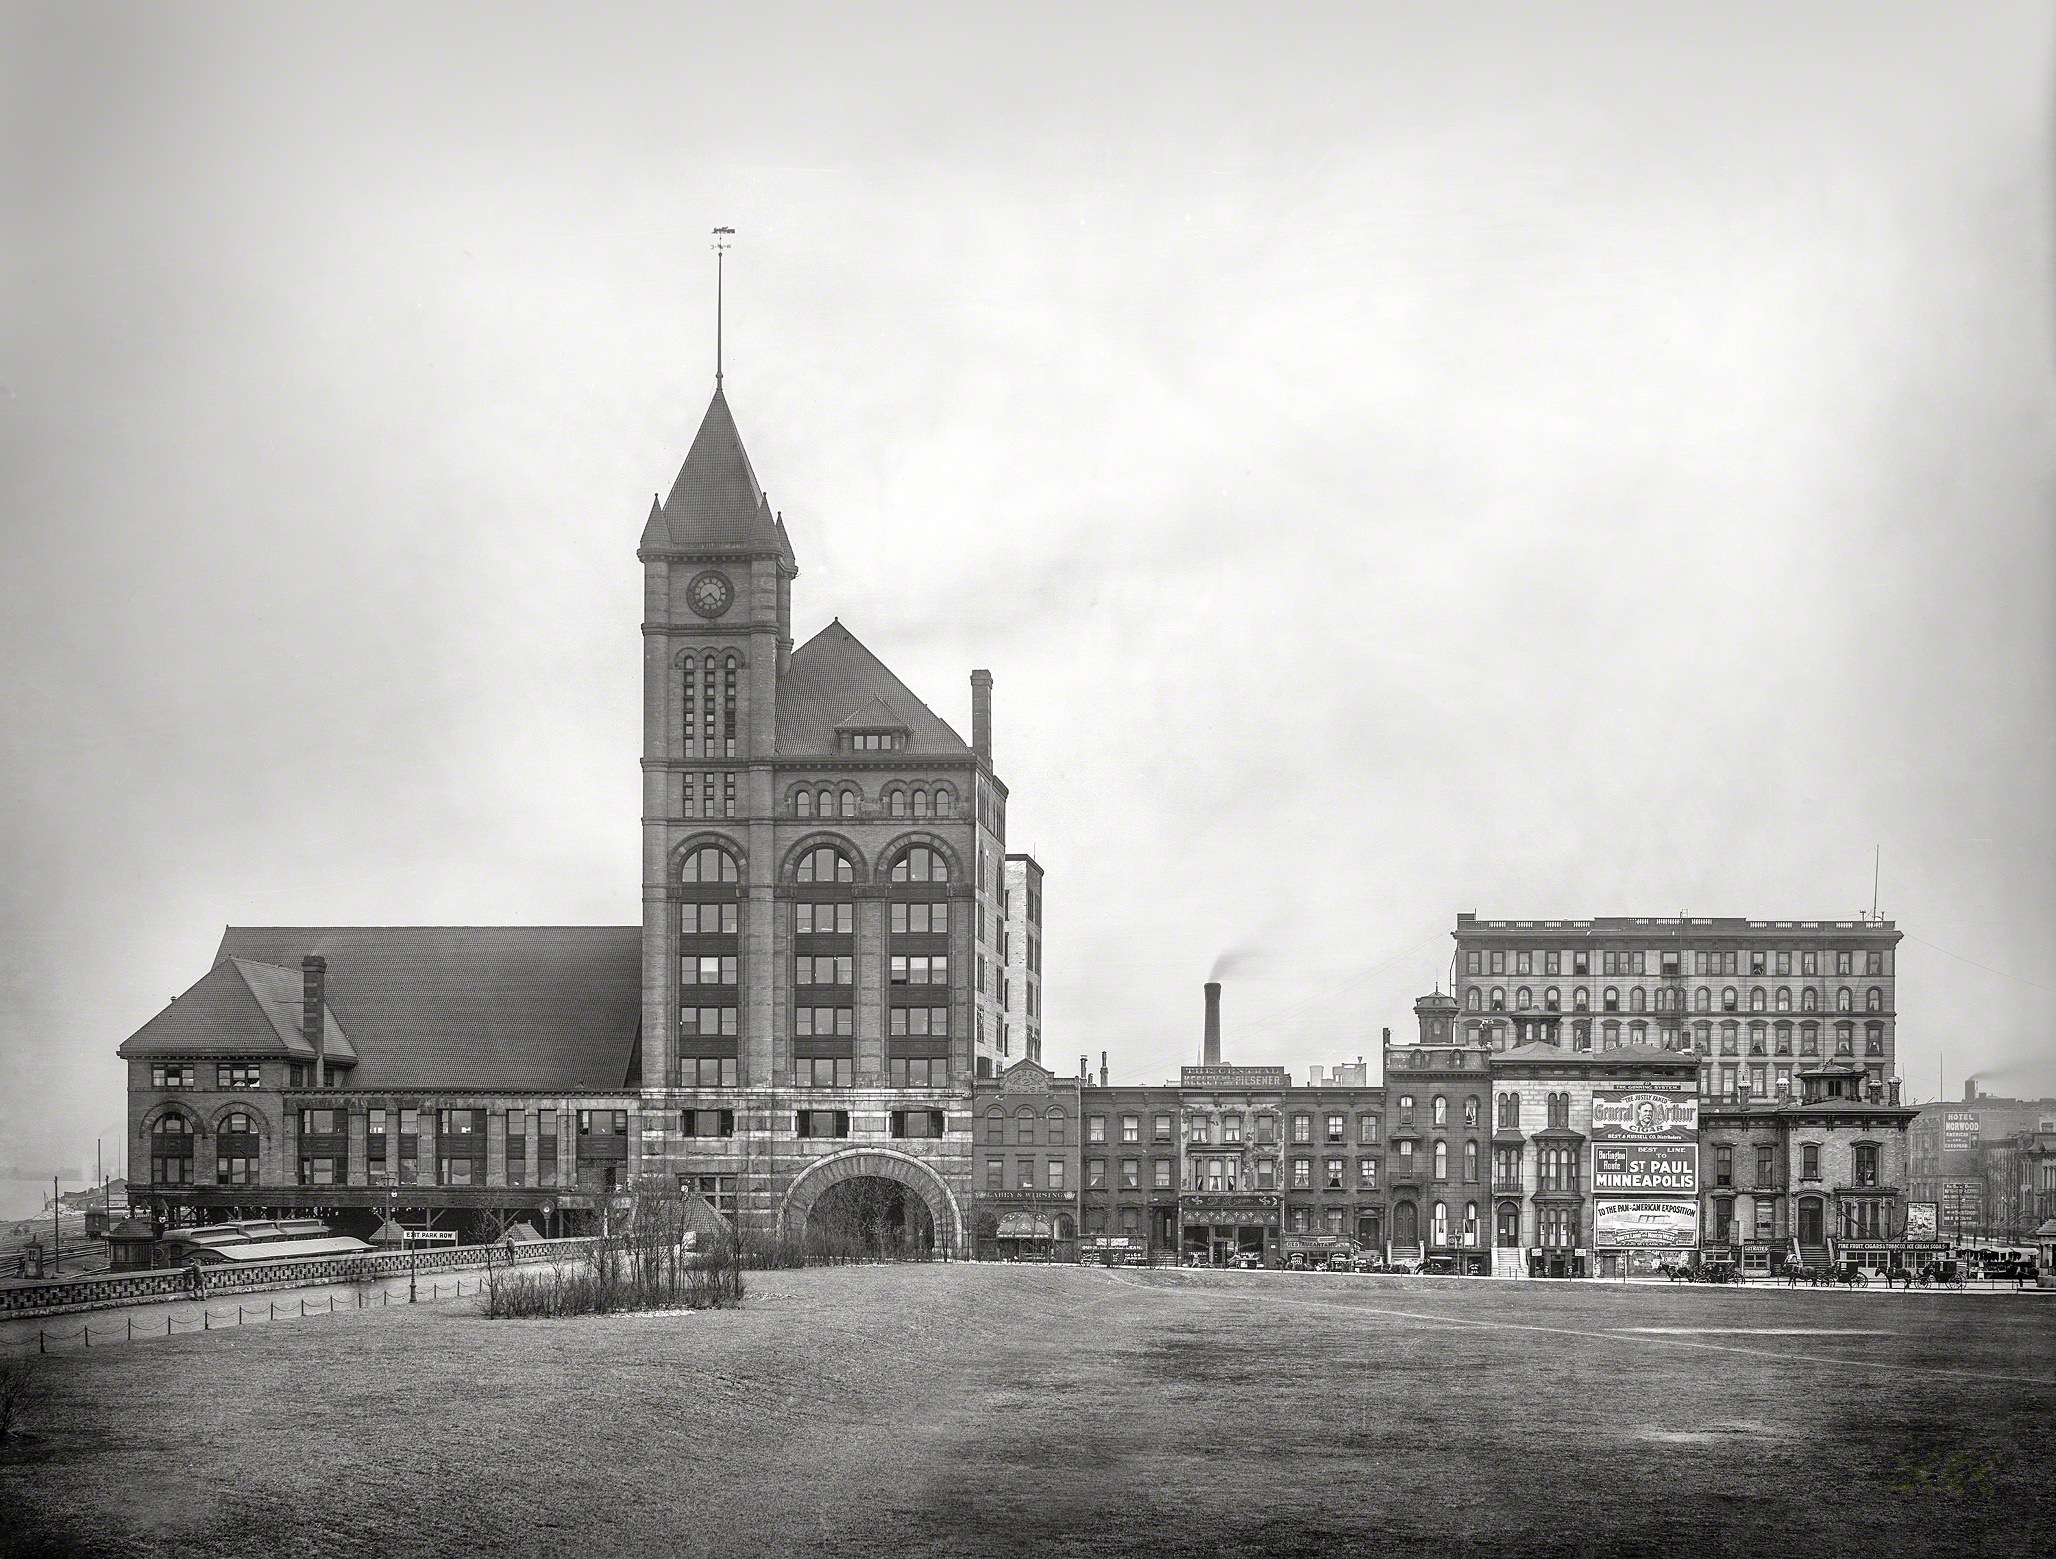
point(1551, 461)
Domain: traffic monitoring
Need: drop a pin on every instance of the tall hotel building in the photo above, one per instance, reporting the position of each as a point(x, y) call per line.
point(1757, 1001)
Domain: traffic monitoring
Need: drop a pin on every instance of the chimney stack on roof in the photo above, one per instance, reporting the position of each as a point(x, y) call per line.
point(313, 1009)
point(1210, 1050)
point(981, 714)
point(1102, 1069)
point(1085, 1069)
point(1969, 1090)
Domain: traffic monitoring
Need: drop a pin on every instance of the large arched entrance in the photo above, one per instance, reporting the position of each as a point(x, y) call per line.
point(1406, 1224)
point(872, 1201)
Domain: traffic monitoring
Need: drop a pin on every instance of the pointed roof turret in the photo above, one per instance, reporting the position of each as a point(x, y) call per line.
point(716, 504)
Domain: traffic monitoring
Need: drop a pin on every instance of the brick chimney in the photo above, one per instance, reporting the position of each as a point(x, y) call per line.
point(1085, 1069)
point(1969, 1090)
point(981, 714)
point(1210, 1050)
point(1102, 1069)
point(313, 1004)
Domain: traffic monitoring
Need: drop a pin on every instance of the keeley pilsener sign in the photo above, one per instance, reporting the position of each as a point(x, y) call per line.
point(1233, 1077)
point(1643, 1116)
point(1655, 1166)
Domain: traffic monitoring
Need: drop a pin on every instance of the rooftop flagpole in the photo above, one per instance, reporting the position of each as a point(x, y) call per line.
point(721, 237)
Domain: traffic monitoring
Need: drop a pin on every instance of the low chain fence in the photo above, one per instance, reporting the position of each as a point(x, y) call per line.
point(59, 1295)
point(132, 1328)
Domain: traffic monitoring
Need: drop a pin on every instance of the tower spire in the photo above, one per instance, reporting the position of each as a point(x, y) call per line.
point(721, 237)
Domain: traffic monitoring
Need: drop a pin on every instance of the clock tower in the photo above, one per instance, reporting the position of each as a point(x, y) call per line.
point(717, 636)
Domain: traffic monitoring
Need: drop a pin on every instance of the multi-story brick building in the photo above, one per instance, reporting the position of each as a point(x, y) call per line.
point(1756, 1000)
point(1021, 1022)
point(1958, 1160)
point(818, 980)
point(1028, 1122)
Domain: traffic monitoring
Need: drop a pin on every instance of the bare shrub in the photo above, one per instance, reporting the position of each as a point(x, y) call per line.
point(14, 1391)
point(647, 1263)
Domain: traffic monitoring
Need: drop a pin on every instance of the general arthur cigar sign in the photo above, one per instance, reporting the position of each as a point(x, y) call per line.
point(1645, 1116)
point(1658, 1166)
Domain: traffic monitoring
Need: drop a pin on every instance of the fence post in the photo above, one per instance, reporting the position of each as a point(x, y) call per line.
point(40, 1346)
point(167, 1326)
point(205, 1319)
point(132, 1328)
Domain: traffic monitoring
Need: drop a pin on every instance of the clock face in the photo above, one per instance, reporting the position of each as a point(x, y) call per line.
point(710, 593)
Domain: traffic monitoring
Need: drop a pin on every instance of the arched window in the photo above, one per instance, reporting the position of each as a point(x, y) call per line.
point(1756, 1003)
point(1552, 1000)
point(1784, 1001)
point(1875, 1000)
point(920, 864)
point(1702, 999)
point(895, 803)
point(1523, 999)
point(1441, 1223)
point(995, 1126)
point(1470, 1110)
point(1843, 1000)
point(1509, 1111)
point(825, 863)
point(709, 863)
point(173, 1125)
point(803, 803)
point(945, 801)
point(824, 803)
point(920, 802)
point(1470, 1214)
point(1024, 1125)
point(729, 678)
point(847, 803)
point(1441, 1161)
point(1441, 1110)
point(1581, 999)
point(1611, 1001)
point(1728, 1000)
point(1474, 999)
point(1809, 1000)
point(1056, 1127)
point(235, 1123)
point(1470, 1161)
point(1499, 998)
point(1638, 1000)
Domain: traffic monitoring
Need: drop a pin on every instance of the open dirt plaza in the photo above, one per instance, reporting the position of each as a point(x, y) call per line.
point(980, 1409)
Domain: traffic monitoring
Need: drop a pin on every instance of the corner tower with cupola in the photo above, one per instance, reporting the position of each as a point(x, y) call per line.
point(823, 889)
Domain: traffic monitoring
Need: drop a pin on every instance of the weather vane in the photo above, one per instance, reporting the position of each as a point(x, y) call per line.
point(721, 237)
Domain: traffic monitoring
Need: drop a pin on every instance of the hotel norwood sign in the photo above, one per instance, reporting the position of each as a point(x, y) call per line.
point(1643, 1115)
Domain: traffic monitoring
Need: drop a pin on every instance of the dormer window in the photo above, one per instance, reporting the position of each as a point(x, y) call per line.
point(875, 741)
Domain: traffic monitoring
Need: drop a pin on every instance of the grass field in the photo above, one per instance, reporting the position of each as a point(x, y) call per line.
point(973, 1410)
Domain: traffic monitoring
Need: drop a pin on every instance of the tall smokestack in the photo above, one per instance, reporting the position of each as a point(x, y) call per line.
point(1969, 1089)
point(981, 714)
point(1210, 1051)
point(313, 999)
point(1102, 1069)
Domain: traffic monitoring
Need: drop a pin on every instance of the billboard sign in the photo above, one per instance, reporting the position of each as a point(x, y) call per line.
point(1959, 1131)
point(1923, 1220)
point(1233, 1077)
point(1642, 1223)
point(1645, 1166)
point(1642, 1115)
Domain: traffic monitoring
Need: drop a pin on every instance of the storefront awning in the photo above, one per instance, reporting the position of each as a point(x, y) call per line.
point(1026, 1226)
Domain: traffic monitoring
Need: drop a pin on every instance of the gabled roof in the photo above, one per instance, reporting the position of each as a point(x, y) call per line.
point(716, 504)
point(487, 1007)
point(239, 1007)
point(833, 679)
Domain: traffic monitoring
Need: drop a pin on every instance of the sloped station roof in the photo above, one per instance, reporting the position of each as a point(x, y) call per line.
point(834, 683)
point(443, 1007)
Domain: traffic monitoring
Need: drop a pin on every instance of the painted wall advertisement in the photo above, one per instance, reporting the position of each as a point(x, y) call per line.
point(1959, 1131)
point(1645, 1166)
point(1641, 1115)
point(1644, 1224)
